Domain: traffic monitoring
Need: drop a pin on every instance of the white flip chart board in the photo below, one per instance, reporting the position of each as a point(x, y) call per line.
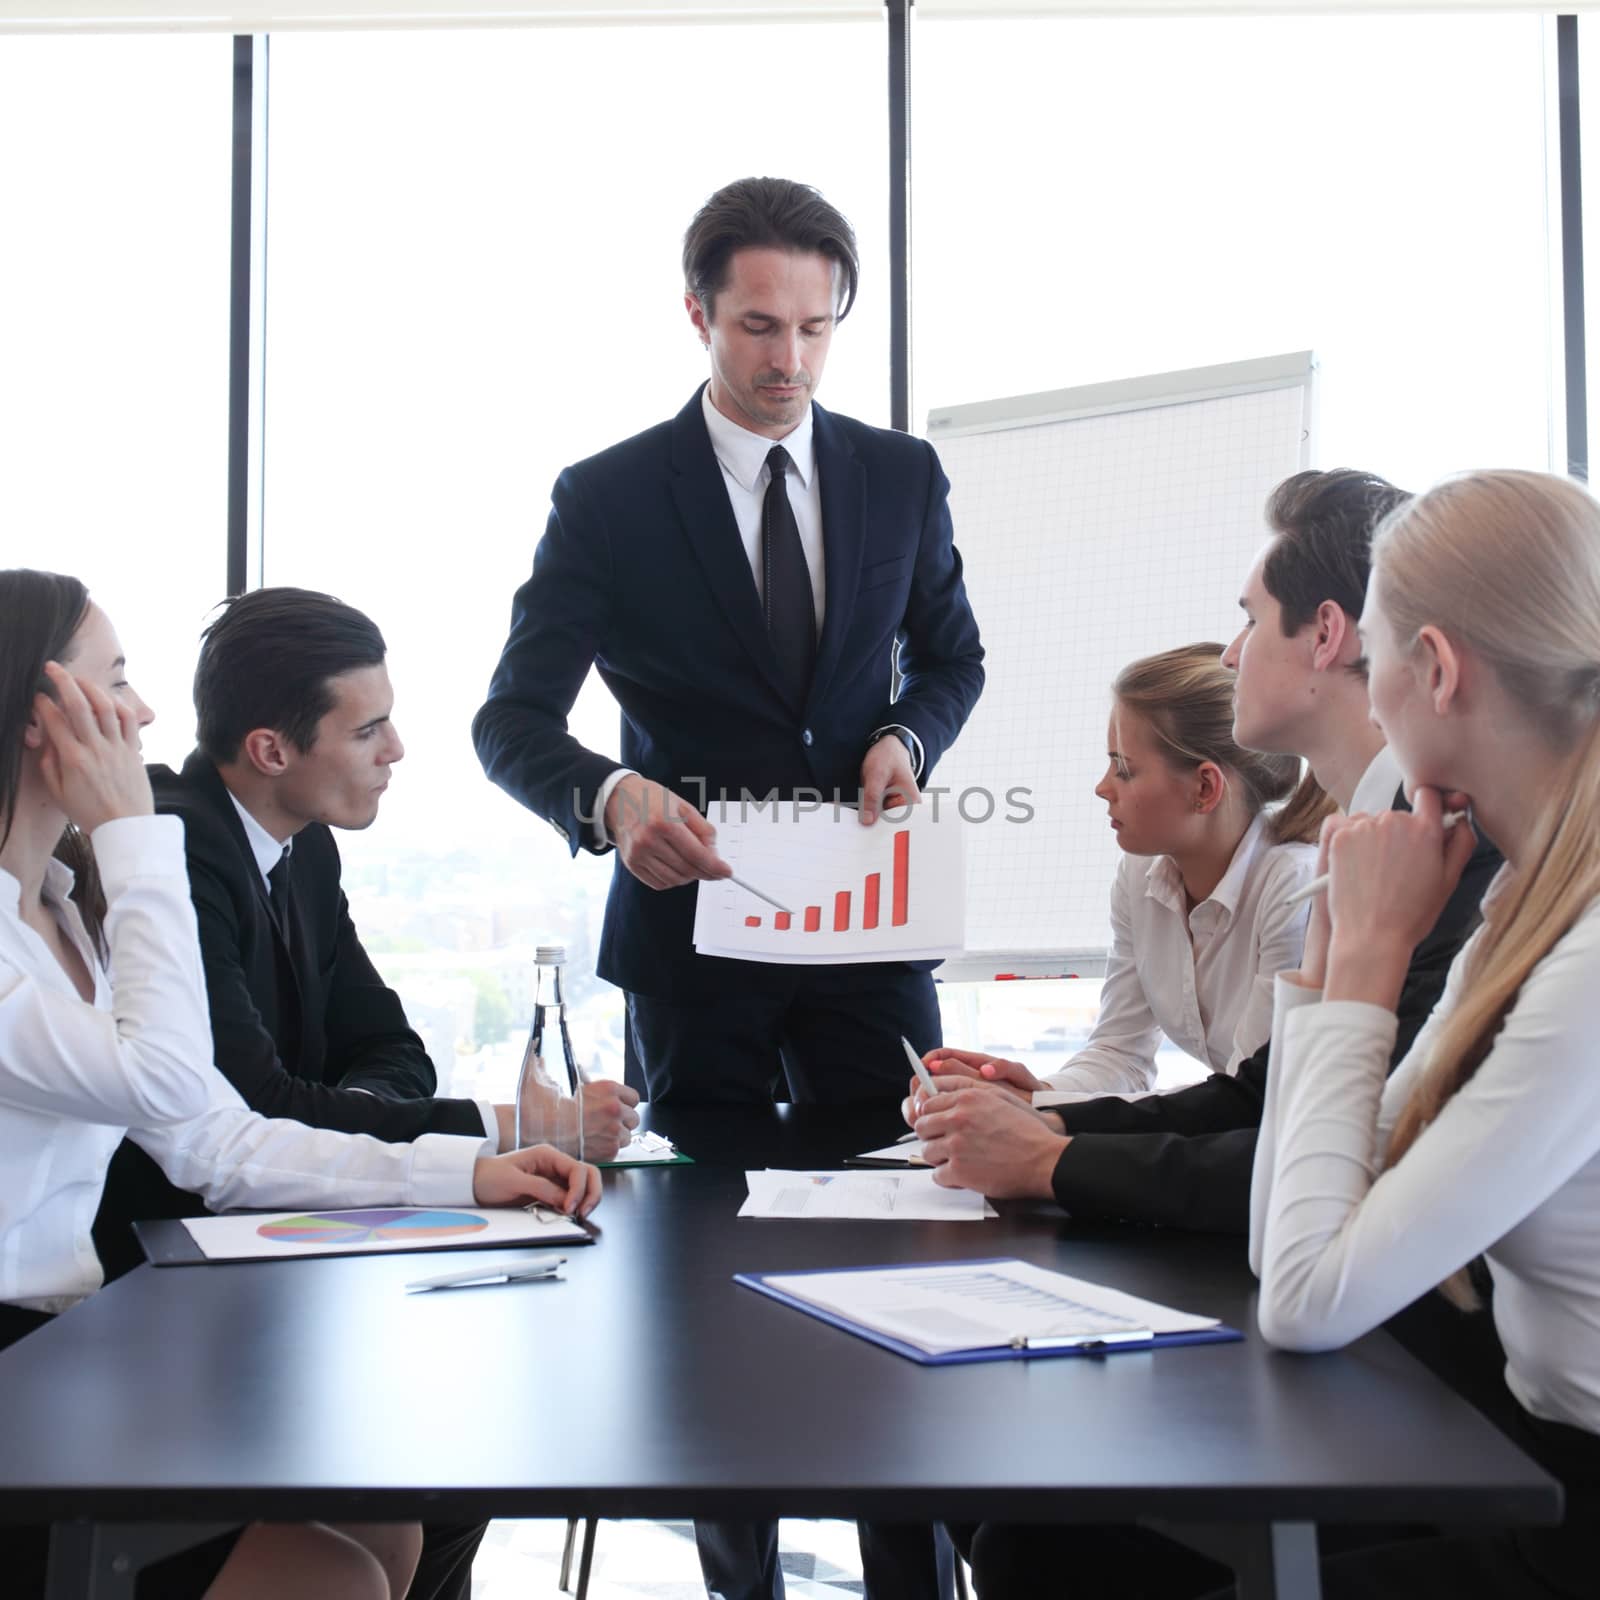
point(1097, 525)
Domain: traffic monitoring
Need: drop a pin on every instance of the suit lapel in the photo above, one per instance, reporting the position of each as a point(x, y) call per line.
point(844, 527)
point(200, 771)
point(702, 503)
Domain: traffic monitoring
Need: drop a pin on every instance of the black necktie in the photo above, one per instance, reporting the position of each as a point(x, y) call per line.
point(278, 889)
point(786, 583)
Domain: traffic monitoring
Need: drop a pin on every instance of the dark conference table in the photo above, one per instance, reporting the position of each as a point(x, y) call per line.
point(649, 1384)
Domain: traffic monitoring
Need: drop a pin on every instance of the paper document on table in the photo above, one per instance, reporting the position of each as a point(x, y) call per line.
point(895, 891)
point(872, 1196)
point(975, 1305)
point(375, 1230)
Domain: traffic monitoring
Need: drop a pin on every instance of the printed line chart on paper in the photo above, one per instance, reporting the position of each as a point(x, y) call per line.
point(895, 891)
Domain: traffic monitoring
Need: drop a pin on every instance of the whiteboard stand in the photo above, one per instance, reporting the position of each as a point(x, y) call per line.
point(1097, 525)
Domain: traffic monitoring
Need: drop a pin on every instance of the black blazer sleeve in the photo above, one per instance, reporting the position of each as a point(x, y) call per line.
point(362, 1014)
point(559, 621)
point(1215, 1105)
point(1185, 1160)
point(940, 656)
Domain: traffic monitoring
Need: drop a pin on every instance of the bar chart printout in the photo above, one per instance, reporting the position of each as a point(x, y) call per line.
point(894, 891)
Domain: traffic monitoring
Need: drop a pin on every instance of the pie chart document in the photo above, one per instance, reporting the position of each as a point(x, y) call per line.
point(261, 1236)
point(895, 891)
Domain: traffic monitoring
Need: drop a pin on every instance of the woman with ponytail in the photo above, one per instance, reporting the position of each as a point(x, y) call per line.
point(1199, 914)
point(1482, 630)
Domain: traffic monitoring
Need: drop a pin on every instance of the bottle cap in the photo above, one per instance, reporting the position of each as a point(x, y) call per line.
point(551, 955)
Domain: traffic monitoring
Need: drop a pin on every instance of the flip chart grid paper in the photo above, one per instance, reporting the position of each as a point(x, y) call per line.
point(1090, 542)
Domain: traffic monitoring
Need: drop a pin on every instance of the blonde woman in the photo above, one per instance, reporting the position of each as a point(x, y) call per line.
point(1199, 914)
point(1482, 629)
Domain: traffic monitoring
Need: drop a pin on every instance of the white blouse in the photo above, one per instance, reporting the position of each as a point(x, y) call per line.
point(1204, 978)
point(1510, 1168)
point(74, 1077)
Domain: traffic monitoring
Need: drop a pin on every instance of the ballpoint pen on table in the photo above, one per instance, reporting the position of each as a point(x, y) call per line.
point(484, 1277)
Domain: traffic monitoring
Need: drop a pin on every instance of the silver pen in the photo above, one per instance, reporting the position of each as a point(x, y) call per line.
point(1319, 885)
point(924, 1077)
point(485, 1277)
point(750, 888)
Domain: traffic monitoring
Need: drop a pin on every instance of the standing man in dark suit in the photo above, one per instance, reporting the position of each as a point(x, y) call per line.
point(747, 576)
point(293, 702)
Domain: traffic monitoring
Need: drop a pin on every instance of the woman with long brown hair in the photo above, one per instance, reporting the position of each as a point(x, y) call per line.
point(104, 1029)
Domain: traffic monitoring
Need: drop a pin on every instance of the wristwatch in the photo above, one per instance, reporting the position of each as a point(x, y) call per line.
point(906, 737)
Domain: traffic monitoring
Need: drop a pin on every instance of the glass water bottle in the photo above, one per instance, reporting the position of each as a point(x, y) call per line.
point(549, 1089)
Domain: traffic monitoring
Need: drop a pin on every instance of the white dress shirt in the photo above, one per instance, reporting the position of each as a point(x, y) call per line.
point(742, 455)
point(264, 849)
point(75, 1076)
point(1510, 1169)
point(1380, 783)
point(1202, 977)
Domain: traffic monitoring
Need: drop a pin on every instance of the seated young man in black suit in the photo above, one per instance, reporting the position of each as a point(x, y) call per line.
point(293, 703)
point(1184, 1159)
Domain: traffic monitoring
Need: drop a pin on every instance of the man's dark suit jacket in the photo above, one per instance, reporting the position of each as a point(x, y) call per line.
point(1184, 1160)
point(642, 571)
point(298, 1036)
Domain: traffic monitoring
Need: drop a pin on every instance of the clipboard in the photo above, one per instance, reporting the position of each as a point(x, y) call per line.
point(168, 1243)
point(954, 1358)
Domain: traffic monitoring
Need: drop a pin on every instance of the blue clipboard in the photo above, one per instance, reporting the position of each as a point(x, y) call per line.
point(954, 1358)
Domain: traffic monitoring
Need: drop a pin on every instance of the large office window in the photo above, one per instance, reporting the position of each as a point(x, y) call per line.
point(473, 279)
point(114, 193)
point(1101, 199)
point(1097, 199)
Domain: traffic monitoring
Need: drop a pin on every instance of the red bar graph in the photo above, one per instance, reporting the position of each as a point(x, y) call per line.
point(871, 898)
point(899, 913)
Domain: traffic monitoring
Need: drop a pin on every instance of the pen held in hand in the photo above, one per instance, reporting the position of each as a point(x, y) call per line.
point(750, 888)
point(1319, 885)
point(924, 1077)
